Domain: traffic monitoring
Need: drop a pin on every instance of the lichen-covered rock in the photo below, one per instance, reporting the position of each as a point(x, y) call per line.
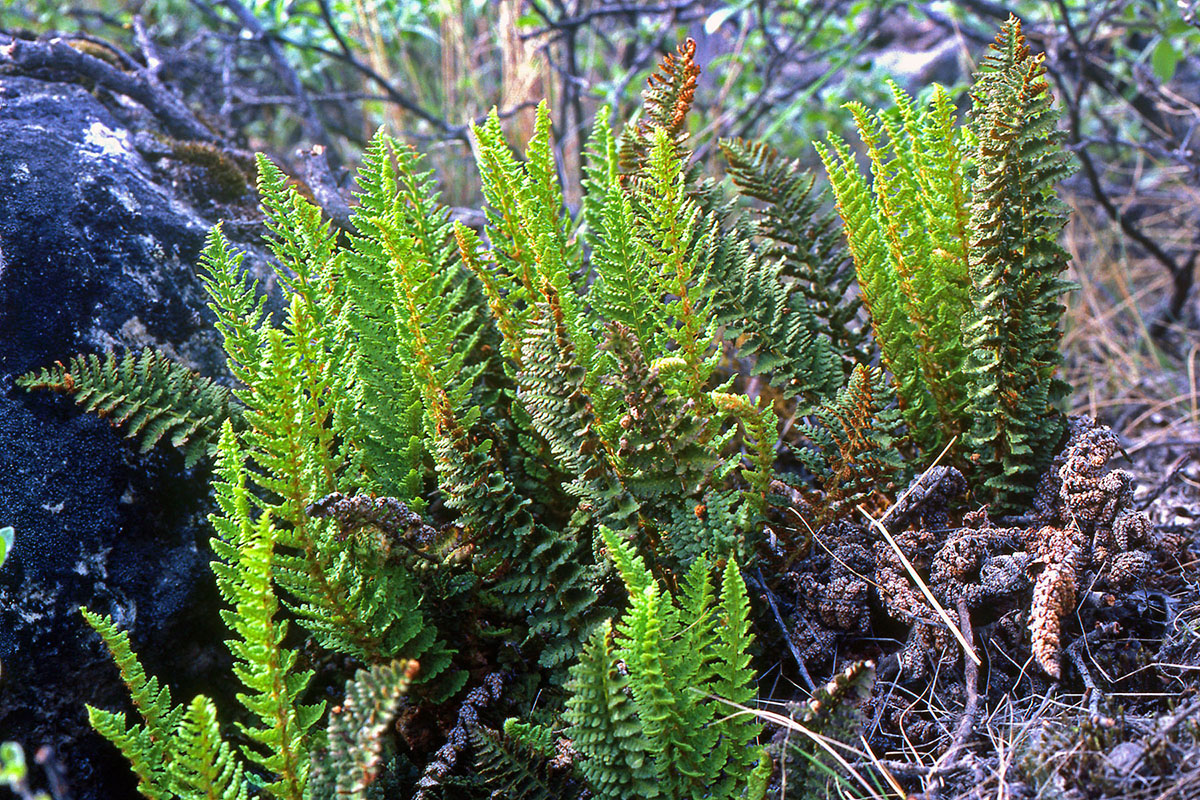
point(95, 253)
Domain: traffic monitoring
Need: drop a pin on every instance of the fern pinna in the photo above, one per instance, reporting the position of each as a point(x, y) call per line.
point(956, 253)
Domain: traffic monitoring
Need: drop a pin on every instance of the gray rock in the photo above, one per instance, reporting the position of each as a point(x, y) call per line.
point(96, 252)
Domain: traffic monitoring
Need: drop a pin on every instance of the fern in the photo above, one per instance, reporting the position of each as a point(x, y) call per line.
point(962, 275)
point(245, 549)
point(205, 766)
point(666, 742)
point(449, 435)
point(350, 762)
point(176, 751)
point(149, 396)
point(907, 239)
point(514, 771)
point(854, 445)
point(1016, 268)
point(802, 241)
point(666, 101)
point(833, 711)
point(146, 745)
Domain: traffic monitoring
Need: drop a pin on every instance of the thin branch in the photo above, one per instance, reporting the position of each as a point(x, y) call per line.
point(56, 54)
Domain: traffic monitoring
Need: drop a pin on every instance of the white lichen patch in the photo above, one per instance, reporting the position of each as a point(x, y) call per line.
point(104, 141)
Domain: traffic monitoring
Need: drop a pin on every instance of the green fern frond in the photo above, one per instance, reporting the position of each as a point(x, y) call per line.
point(880, 285)
point(676, 239)
point(773, 322)
point(668, 742)
point(803, 240)
point(603, 725)
point(351, 760)
point(205, 767)
point(245, 549)
point(234, 300)
point(734, 677)
point(761, 427)
point(1016, 266)
point(514, 771)
point(855, 444)
point(382, 413)
point(146, 746)
point(147, 395)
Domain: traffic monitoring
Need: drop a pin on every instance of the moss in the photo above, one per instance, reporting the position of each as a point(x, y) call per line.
point(229, 180)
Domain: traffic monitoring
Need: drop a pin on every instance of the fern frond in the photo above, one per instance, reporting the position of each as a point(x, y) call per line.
point(552, 388)
point(666, 101)
point(664, 446)
point(147, 745)
point(880, 284)
point(351, 760)
point(281, 726)
point(147, 395)
point(514, 771)
point(803, 240)
point(239, 308)
point(1016, 267)
point(773, 322)
point(761, 427)
point(734, 677)
point(382, 414)
point(855, 444)
point(205, 767)
point(675, 238)
point(603, 725)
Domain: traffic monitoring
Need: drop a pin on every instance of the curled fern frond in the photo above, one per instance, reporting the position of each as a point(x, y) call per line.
point(147, 395)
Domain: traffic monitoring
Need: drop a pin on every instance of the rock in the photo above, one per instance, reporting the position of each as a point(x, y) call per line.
point(97, 251)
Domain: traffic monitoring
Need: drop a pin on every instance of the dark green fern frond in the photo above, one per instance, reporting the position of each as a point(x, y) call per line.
point(351, 760)
point(715, 523)
point(515, 771)
point(773, 322)
point(551, 387)
point(803, 239)
point(1016, 269)
point(855, 444)
point(661, 438)
point(147, 395)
